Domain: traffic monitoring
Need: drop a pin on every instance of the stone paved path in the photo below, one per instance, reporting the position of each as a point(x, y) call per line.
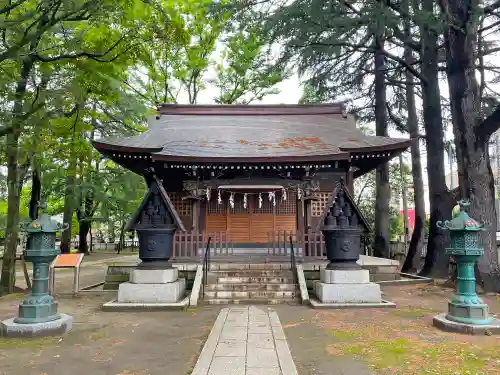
point(246, 341)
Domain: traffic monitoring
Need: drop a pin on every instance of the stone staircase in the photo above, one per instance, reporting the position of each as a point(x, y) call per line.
point(268, 283)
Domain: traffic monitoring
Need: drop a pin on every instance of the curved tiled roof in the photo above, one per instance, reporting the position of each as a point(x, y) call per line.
point(250, 132)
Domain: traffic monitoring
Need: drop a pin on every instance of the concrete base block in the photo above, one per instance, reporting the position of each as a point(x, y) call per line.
point(348, 293)
point(315, 304)
point(344, 276)
point(57, 327)
point(152, 293)
point(146, 276)
point(441, 322)
point(116, 306)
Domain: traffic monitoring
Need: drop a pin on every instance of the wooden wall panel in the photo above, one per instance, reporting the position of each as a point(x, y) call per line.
point(239, 227)
point(216, 223)
point(260, 226)
point(288, 223)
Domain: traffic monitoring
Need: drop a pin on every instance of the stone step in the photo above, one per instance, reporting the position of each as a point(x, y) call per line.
point(250, 287)
point(243, 301)
point(253, 273)
point(251, 266)
point(254, 280)
point(258, 294)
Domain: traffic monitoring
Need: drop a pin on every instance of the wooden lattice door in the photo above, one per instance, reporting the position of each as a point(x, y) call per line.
point(216, 219)
point(286, 213)
point(238, 220)
point(261, 218)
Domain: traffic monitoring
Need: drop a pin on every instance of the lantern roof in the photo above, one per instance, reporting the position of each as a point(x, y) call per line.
point(45, 224)
point(342, 211)
point(462, 221)
point(156, 188)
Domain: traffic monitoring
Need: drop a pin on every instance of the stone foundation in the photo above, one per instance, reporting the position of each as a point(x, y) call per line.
point(56, 327)
point(152, 286)
point(119, 274)
point(347, 286)
point(442, 322)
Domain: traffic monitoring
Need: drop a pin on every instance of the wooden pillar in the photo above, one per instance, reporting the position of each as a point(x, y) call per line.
point(196, 214)
point(202, 218)
point(300, 216)
point(308, 215)
point(349, 181)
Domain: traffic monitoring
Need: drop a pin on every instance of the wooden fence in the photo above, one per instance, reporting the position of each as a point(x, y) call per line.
point(308, 246)
point(311, 245)
point(191, 245)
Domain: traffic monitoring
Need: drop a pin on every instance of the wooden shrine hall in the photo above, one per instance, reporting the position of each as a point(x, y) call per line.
point(251, 172)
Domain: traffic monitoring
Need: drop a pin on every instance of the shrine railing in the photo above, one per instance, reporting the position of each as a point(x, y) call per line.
point(279, 242)
point(191, 245)
point(309, 246)
point(187, 245)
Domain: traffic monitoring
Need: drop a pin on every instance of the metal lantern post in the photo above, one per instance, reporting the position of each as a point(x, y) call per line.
point(39, 306)
point(342, 231)
point(342, 243)
point(37, 314)
point(155, 226)
point(466, 310)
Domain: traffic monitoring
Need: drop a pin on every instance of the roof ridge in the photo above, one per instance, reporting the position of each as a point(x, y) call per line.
point(253, 109)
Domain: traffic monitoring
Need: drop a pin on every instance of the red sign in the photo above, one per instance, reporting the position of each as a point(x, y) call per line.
point(411, 217)
point(68, 260)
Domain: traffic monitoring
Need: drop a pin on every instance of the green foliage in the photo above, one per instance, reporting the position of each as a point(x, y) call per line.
point(397, 227)
point(364, 189)
point(23, 212)
point(176, 53)
point(246, 72)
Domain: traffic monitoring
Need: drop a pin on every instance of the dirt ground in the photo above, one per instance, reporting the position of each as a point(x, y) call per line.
point(152, 343)
point(95, 256)
point(398, 341)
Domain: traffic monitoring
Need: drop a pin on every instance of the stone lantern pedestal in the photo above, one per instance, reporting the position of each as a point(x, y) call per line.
point(467, 312)
point(155, 283)
point(343, 282)
point(38, 314)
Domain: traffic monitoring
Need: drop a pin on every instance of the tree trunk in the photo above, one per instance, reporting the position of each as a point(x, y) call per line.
point(84, 214)
point(383, 188)
point(36, 190)
point(111, 231)
point(69, 194)
point(121, 244)
point(83, 246)
point(474, 169)
point(8, 277)
point(441, 205)
point(412, 261)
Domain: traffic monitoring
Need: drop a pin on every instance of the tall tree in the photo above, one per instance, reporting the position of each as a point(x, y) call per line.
point(472, 133)
point(246, 71)
point(411, 263)
point(59, 31)
point(383, 191)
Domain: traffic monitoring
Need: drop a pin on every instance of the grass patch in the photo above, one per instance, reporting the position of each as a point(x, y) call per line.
point(31, 343)
point(11, 296)
point(414, 357)
point(412, 312)
point(119, 264)
point(345, 335)
point(97, 336)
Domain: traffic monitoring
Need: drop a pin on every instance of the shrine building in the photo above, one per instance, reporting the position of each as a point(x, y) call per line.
point(251, 172)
